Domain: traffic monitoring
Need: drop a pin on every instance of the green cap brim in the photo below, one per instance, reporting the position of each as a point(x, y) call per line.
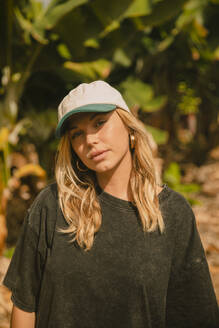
point(91, 108)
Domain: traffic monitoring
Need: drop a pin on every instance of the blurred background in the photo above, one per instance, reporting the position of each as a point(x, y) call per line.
point(162, 55)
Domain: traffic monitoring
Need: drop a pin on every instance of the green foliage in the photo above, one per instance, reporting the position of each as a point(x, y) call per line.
point(122, 58)
point(135, 92)
point(139, 8)
point(113, 12)
point(189, 103)
point(138, 93)
point(89, 71)
point(172, 176)
point(163, 11)
point(160, 136)
point(4, 156)
point(9, 252)
point(39, 19)
point(155, 104)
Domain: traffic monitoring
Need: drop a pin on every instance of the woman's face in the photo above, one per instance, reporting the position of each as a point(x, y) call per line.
point(100, 140)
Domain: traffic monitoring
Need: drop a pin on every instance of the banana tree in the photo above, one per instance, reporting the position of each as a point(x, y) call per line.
point(58, 36)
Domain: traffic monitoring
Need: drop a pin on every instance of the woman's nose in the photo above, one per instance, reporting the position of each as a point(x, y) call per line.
point(91, 138)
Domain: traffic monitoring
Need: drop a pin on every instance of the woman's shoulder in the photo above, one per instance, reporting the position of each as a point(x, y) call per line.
point(175, 207)
point(46, 195)
point(44, 203)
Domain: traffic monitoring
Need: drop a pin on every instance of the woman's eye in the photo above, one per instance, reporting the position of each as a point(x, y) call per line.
point(99, 123)
point(76, 134)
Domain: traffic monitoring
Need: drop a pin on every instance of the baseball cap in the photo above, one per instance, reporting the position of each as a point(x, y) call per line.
point(97, 96)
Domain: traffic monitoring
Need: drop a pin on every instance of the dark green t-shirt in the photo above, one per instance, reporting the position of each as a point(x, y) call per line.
point(129, 279)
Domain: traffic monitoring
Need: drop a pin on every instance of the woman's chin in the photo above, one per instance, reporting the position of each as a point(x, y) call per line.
point(102, 168)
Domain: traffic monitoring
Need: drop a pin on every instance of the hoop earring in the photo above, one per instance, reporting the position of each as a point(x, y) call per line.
point(79, 168)
point(132, 141)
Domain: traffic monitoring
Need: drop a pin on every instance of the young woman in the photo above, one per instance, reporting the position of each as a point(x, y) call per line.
point(106, 246)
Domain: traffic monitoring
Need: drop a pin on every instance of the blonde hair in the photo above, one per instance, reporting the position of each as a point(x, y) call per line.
point(77, 189)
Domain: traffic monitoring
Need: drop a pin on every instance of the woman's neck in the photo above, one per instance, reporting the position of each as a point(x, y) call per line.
point(117, 183)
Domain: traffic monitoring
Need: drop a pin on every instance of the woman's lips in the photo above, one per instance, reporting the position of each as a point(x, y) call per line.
point(98, 156)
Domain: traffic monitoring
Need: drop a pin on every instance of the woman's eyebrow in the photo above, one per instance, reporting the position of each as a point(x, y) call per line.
point(94, 115)
point(72, 128)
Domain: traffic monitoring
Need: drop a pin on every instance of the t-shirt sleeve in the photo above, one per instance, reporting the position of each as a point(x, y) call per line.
point(25, 270)
point(191, 301)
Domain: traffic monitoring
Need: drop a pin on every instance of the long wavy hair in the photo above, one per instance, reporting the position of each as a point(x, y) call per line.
point(77, 186)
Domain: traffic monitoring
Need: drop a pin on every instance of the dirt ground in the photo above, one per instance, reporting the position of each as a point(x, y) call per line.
point(207, 216)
